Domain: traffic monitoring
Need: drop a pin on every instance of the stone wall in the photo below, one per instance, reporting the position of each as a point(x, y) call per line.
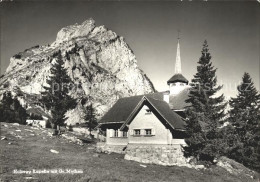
point(105, 148)
point(167, 155)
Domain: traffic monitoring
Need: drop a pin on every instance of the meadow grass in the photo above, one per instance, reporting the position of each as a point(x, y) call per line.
point(28, 152)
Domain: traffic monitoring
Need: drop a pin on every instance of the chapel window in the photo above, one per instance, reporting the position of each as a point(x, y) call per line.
point(137, 132)
point(148, 131)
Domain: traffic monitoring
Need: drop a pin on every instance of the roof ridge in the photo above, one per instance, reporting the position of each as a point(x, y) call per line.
point(162, 114)
point(162, 101)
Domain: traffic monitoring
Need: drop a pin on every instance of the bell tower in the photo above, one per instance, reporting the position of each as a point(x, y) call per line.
point(177, 82)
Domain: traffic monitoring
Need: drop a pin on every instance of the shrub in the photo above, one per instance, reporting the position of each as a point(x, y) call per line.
point(11, 111)
point(36, 117)
point(17, 56)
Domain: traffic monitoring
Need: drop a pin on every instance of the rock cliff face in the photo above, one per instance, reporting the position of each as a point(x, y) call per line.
point(100, 63)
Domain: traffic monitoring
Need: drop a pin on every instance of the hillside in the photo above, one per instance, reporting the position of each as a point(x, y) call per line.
point(27, 148)
point(100, 63)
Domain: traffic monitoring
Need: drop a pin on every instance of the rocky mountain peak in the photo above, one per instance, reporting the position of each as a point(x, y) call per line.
point(100, 63)
point(73, 31)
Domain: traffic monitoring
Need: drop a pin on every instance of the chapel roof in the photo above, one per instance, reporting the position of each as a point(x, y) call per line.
point(177, 78)
point(178, 101)
point(124, 107)
point(170, 116)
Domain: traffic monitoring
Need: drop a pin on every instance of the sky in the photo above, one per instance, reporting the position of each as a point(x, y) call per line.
point(151, 29)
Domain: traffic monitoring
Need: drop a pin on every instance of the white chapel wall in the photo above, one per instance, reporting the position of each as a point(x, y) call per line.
point(144, 120)
point(177, 87)
point(112, 140)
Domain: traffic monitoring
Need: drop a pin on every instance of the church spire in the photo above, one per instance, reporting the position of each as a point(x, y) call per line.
point(177, 81)
point(178, 58)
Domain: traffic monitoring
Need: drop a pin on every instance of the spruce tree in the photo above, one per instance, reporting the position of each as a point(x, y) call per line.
point(90, 117)
point(55, 97)
point(11, 110)
point(205, 111)
point(20, 112)
point(196, 140)
point(204, 89)
point(244, 116)
point(6, 112)
point(7, 100)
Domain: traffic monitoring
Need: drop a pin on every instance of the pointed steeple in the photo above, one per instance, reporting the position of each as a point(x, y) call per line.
point(178, 77)
point(178, 58)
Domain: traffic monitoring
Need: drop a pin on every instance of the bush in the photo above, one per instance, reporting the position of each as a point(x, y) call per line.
point(35, 47)
point(11, 111)
point(6, 84)
point(36, 117)
point(17, 56)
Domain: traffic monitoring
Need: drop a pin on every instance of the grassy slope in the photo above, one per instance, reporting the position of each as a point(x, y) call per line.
point(33, 152)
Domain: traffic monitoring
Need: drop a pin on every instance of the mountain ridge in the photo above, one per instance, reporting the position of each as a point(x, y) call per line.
point(101, 64)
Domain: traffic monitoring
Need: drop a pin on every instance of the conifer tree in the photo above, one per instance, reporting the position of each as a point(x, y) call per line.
point(20, 112)
point(6, 113)
point(196, 140)
point(204, 89)
point(244, 116)
point(55, 97)
point(11, 110)
point(7, 100)
point(205, 111)
point(90, 117)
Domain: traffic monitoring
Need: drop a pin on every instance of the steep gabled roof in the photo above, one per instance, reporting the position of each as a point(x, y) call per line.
point(177, 102)
point(124, 106)
point(126, 109)
point(177, 78)
point(121, 109)
point(170, 116)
